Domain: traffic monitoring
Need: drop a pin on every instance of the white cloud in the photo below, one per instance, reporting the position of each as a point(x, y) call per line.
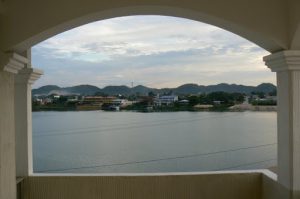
point(153, 50)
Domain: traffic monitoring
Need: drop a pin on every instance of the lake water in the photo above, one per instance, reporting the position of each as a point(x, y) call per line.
point(112, 142)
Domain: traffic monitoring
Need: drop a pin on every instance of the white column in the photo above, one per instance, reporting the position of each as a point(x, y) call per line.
point(286, 64)
point(23, 118)
point(10, 64)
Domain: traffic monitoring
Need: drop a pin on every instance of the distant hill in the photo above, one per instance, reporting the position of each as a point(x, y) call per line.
point(188, 88)
point(82, 89)
point(115, 90)
point(230, 88)
point(143, 90)
point(45, 90)
point(52, 89)
point(265, 87)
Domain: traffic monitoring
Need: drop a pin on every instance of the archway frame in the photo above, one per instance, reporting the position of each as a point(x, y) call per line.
point(238, 21)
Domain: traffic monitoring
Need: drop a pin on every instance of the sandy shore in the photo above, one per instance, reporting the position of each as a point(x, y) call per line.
point(249, 107)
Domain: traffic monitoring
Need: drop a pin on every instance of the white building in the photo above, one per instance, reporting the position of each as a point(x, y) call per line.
point(121, 102)
point(165, 100)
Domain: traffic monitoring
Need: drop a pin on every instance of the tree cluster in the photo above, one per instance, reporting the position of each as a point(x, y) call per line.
point(221, 97)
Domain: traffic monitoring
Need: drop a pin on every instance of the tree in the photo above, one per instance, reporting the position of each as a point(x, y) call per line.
point(223, 97)
point(260, 94)
point(193, 100)
point(273, 93)
point(62, 100)
point(101, 94)
point(238, 97)
point(151, 94)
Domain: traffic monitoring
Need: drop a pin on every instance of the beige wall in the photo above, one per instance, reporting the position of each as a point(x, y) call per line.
point(24, 23)
point(7, 137)
point(272, 190)
point(294, 18)
point(204, 186)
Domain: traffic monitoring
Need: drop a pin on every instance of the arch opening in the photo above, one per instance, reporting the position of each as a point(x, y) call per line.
point(118, 123)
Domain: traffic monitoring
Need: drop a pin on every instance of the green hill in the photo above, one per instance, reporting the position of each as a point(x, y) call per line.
point(143, 90)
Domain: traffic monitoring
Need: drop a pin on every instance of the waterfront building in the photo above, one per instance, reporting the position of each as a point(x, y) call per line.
point(73, 98)
point(203, 106)
point(98, 100)
point(146, 100)
point(121, 102)
point(184, 102)
point(217, 102)
point(165, 100)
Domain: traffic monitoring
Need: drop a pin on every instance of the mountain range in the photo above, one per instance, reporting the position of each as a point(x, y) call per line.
point(143, 90)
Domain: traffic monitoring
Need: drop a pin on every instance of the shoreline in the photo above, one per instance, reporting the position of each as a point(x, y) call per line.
point(230, 109)
point(249, 107)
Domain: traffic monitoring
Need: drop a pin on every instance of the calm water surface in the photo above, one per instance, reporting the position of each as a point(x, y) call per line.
point(110, 142)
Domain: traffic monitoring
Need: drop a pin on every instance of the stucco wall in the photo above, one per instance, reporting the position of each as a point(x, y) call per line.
point(294, 18)
point(24, 23)
point(7, 137)
point(271, 189)
point(187, 186)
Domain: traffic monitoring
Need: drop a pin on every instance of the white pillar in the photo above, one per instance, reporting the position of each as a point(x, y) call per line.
point(286, 64)
point(23, 118)
point(10, 64)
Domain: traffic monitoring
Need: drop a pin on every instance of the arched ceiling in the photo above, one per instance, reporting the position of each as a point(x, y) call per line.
point(26, 23)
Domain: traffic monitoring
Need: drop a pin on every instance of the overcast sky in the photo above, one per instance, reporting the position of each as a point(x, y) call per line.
point(154, 51)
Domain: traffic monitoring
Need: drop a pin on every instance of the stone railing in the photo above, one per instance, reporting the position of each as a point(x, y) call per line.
point(258, 184)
